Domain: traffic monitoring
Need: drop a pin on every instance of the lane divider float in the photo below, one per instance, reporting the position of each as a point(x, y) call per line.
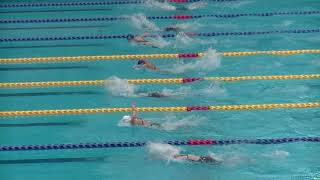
point(155, 81)
point(190, 34)
point(173, 17)
point(191, 142)
point(153, 56)
point(159, 109)
point(93, 3)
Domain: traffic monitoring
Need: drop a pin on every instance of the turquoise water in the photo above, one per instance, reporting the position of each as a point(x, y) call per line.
point(286, 161)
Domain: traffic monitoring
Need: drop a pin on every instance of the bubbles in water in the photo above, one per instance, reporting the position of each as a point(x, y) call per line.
point(207, 63)
point(141, 22)
point(162, 5)
point(277, 154)
point(163, 151)
point(119, 87)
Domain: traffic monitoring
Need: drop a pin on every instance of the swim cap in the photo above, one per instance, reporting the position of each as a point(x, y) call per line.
point(141, 62)
point(130, 36)
point(126, 118)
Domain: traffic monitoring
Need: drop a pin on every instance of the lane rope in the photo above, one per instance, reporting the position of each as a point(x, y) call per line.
point(159, 109)
point(94, 3)
point(155, 81)
point(153, 56)
point(191, 142)
point(175, 17)
point(190, 34)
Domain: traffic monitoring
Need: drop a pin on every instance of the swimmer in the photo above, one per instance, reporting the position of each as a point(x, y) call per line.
point(154, 94)
point(195, 158)
point(135, 120)
point(140, 39)
point(143, 63)
point(173, 28)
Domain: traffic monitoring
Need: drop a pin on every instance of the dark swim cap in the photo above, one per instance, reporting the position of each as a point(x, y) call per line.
point(130, 36)
point(141, 62)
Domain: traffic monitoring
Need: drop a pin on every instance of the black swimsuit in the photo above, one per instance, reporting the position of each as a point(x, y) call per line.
point(158, 95)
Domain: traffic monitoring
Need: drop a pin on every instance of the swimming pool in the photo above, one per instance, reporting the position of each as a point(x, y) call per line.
point(282, 161)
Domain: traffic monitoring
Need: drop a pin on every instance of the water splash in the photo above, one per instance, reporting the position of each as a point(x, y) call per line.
point(141, 22)
point(181, 91)
point(214, 89)
point(217, 157)
point(277, 154)
point(207, 63)
point(197, 5)
point(193, 26)
point(160, 151)
point(162, 5)
point(173, 122)
point(159, 42)
point(119, 87)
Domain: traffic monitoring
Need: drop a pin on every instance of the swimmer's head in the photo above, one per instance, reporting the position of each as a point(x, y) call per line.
point(126, 119)
point(141, 62)
point(130, 37)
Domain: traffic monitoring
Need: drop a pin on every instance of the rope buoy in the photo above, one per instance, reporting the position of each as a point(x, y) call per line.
point(191, 142)
point(170, 17)
point(153, 56)
point(190, 34)
point(155, 81)
point(159, 109)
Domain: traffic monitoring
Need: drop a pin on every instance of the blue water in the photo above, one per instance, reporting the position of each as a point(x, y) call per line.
point(286, 161)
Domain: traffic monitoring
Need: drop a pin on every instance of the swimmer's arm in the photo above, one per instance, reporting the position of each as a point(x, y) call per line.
point(134, 111)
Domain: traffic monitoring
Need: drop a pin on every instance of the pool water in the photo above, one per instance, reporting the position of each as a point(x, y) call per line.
point(285, 161)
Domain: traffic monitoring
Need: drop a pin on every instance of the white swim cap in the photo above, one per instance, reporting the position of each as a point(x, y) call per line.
point(126, 118)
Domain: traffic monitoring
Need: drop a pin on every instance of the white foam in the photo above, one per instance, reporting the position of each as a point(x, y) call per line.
point(163, 151)
point(277, 154)
point(214, 89)
point(159, 42)
point(197, 5)
point(217, 157)
point(119, 87)
point(191, 26)
point(140, 22)
point(173, 122)
point(181, 91)
point(161, 5)
point(207, 63)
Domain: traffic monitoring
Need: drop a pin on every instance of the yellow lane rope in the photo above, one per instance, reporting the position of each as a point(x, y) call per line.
point(149, 56)
point(158, 109)
point(154, 81)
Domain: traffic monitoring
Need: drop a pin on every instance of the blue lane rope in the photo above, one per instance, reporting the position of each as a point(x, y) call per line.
point(124, 36)
point(140, 144)
point(92, 3)
point(117, 18)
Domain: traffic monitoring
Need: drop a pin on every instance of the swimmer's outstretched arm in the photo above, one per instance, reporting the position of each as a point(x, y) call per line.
point(134, 111)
